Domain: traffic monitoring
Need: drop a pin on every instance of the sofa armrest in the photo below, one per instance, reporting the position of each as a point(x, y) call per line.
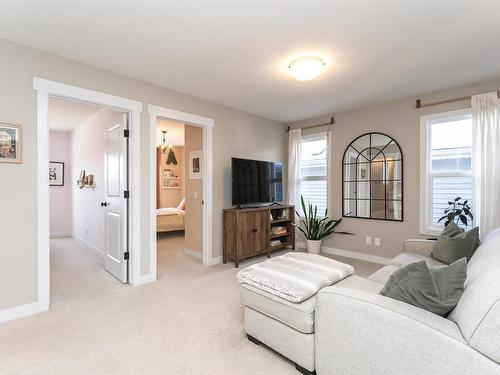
point(358, 332)
point(417, 246)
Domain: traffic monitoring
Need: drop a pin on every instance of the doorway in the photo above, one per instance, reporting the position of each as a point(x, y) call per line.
point(204, 159)
point(122, 233)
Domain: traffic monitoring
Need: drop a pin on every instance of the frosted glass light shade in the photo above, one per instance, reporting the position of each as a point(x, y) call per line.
point(306, 68)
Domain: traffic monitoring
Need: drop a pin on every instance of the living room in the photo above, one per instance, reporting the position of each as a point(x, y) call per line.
point(396, 116)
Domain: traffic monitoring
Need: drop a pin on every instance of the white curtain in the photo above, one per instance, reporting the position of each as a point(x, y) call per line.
point(293, 186)
point(486, 160)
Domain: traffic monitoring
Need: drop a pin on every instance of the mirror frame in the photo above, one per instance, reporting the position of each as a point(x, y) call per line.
point(371, 162)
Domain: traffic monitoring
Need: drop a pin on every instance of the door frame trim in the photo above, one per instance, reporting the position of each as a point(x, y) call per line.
point(207, 125)
point(45, 89)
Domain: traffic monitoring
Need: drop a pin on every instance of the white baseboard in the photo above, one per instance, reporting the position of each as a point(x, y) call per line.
point(350, 254)
point(216, 260)
point(145, 279)
point(192, 253)
point(18, 312)
point(100, 252)
point(61, 235)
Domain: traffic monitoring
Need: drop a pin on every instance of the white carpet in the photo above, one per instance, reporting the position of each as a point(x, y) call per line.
point(188, 322)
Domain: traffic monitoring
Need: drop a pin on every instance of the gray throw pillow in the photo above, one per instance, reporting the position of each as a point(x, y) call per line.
point(435, 290)
point(454, 244)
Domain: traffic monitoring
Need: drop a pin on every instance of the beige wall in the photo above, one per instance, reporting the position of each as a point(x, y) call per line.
point(172, 197)
point(235, 134)
point(400, 120)
point(194, 193)
point(60, 196)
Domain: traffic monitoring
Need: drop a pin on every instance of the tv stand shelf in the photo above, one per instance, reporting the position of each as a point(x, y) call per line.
point(248, 232)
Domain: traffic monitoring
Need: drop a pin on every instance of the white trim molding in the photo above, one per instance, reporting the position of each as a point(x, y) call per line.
point(192, 253)
point(61, 235)
point(19, 312)
point(207, 125)
point(46, 89)
point(426, 174)
point(350, 254)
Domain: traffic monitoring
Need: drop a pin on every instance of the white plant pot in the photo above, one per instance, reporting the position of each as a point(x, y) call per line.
point(313, 246)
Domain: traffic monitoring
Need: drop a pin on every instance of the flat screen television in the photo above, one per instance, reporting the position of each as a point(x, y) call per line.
point(256, 181)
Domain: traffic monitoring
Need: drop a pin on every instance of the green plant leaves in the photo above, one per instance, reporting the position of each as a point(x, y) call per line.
point(457, 211)
point(313, 227)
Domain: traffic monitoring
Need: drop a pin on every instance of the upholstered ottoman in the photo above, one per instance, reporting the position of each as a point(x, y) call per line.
point(279, 297)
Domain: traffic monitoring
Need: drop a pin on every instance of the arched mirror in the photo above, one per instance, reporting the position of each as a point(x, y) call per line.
point(372, 178)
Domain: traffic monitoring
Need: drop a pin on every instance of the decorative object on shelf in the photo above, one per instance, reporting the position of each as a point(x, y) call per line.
point(457, 211)
point(11, 142)
point(372, 178)
point(314, 228)
point(195, 172)
point(85, 180)
point(171, 159)
point(56, 173)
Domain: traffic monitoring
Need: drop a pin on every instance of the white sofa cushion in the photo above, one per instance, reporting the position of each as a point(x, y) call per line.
point(299, 316)
point(382, 275)
point(478, 311)
point(406, 258)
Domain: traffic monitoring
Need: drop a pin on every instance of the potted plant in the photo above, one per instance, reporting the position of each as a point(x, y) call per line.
point(457, 211)
point(314, 228)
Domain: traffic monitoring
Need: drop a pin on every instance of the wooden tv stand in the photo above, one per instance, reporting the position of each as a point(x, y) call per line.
point(248, 231)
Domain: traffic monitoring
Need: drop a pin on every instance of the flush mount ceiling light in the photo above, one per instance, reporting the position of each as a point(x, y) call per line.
point(306, 68)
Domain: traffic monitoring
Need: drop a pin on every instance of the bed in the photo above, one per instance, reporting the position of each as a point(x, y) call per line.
point(169, 219)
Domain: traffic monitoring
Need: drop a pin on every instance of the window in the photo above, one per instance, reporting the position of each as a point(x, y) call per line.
point(445, 165)
point(314, 171)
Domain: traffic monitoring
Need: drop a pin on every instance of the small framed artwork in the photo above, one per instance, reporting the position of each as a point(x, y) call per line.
point(195, 165)
point(56, 173)
point(11, 143)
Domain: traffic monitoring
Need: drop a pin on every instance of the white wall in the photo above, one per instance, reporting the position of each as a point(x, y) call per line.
point(60, 196)
point(87, 153)
point(194, 209)
point(235, 133)
point(400, 120)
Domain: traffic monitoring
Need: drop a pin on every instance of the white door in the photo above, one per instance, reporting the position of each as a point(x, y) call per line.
point(116, 199)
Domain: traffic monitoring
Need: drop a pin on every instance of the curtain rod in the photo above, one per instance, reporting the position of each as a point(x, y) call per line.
point(419, 104)
point(332, 122)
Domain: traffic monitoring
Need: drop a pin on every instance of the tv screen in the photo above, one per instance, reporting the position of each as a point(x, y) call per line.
point(256, 181)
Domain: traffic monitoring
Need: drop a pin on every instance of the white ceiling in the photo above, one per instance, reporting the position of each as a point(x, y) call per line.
point(236, 53)
point(67, 115)
point(175, 132)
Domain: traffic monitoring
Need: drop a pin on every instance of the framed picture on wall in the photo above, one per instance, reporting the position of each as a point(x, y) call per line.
point(195, 165)
point(11, 142)
point(56, 173)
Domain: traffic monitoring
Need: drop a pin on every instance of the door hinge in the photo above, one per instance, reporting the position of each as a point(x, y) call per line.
point(126, 133)
point(126, 194)
point(126, 255)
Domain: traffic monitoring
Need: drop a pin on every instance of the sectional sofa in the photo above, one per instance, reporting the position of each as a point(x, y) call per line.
point(348, 328)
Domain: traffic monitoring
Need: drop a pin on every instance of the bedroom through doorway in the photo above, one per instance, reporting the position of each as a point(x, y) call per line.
point(179, 197)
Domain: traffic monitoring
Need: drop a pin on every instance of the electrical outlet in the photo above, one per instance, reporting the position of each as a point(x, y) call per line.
point(195, 195)
point(377, 241)
point(368, 240)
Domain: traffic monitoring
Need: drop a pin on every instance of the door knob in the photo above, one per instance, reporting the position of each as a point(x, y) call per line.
point(104, 204)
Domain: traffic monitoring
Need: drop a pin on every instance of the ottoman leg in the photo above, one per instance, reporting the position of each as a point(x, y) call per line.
point(253, 339)
point(304, 371)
